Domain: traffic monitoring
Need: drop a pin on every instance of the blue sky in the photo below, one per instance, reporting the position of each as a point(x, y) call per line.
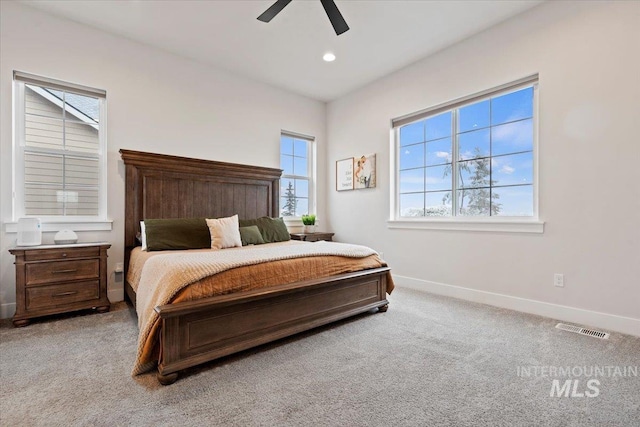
point(500, 129)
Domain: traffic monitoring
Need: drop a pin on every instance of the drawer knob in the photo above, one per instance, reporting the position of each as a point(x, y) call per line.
point(65, 271)
point(64, 255)
point(64, 294)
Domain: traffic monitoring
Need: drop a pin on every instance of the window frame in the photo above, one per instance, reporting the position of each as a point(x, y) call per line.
point(310, 177)
point(56, 222)
point(521, 224)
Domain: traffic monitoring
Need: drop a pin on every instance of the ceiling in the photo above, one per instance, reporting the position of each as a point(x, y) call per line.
point(385, 36)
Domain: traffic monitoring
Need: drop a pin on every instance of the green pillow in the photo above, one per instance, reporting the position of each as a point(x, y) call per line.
point(178, 233)
point(272, 229)
point(251, 235)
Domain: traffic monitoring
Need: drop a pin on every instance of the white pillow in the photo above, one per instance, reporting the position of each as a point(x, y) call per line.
point(225, 232)
point(143, 236)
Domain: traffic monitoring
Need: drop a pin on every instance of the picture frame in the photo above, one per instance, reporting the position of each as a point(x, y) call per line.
point(344, 174)
point(364, 172)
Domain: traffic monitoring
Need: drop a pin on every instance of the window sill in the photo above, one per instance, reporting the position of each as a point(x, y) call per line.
point(292, 219)
point(55, 226)
point(506, 225)
point(294, 224)
point(295, 220)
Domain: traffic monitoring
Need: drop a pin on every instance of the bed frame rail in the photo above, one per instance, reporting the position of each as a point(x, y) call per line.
point(200, 331)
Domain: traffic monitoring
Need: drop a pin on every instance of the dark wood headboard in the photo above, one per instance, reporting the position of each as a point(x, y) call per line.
point(161, 186)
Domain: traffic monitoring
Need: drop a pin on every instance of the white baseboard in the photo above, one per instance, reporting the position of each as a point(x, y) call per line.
point(7, 310)
point(115, 295)
point(608, 322)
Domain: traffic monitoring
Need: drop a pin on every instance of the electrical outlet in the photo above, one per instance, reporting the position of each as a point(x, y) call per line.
point(558, 280)
point(119, 267)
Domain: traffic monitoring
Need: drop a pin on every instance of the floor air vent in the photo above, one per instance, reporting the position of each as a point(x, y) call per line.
point(583, 331)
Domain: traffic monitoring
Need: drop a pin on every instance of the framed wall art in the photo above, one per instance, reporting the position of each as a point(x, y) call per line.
point(344, 174)
point(364, 171)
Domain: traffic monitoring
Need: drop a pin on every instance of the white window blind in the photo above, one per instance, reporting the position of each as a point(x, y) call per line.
point(60, 149)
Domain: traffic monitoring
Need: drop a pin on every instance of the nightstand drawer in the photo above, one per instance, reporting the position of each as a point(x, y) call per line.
point(60, 271)
point(53, 295)
point(57, 254)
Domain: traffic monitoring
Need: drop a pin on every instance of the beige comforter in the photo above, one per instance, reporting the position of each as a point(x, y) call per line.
point(160, 278)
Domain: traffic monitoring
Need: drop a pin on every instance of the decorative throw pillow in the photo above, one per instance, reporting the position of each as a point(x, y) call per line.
point(143, 236)
point(174, 233)
point(225, 232)
point(272, 229)
point(251, 235)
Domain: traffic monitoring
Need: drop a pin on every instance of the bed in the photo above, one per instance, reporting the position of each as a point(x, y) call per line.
point(193, 332)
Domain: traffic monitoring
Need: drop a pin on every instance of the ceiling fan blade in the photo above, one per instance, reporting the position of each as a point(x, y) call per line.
point(275, 9)
point(338, 22)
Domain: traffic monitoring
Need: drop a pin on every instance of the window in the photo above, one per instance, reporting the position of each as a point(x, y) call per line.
point(469, 158)
point(60, 150)
point(296, 185)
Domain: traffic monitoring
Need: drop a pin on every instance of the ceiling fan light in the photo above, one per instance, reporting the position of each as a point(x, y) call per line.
point(329, 57)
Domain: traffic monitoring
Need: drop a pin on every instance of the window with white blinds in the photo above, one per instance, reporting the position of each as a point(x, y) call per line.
point(60, 149)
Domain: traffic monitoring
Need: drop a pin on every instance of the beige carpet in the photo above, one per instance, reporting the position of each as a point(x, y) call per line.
point(429, 360)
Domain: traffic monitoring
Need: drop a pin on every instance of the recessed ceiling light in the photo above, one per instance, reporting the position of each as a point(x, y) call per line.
point(329, 57)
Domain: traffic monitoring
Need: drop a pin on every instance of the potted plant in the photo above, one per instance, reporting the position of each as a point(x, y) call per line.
point(309, 222)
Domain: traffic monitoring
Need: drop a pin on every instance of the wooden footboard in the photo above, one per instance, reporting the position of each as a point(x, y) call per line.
point(196, 332)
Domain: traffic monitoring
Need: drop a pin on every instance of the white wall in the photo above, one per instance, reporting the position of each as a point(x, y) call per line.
point(585, 52)
point(587, 55)
point(156, 102)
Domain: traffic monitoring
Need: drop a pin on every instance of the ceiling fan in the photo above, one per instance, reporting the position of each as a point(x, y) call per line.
point(338, 22)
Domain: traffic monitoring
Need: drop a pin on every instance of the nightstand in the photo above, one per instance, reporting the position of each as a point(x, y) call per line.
point(56, 279)
point(312, 237)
